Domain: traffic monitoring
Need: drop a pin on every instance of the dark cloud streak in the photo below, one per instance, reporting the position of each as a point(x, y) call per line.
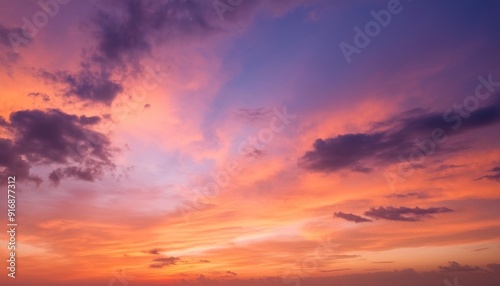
point(397, 138)
point(404, 213)
point(351, 217)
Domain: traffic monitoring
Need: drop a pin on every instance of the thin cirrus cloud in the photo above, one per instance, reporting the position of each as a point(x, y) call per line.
point(420, 195)
point(360, 152)
point(54, 137)
point(394, 214)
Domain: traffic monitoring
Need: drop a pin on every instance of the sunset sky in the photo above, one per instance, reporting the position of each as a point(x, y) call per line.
point(251, 142)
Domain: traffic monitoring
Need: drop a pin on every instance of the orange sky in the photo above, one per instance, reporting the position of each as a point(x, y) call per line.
point(198, 175)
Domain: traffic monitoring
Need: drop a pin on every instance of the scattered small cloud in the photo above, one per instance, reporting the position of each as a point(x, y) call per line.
point(418, 195)
point(494, 175)
point(351, 217)
point(404, 213)
point(253, 115)
point(154, 251)
point(161, 262)
point(43, 96)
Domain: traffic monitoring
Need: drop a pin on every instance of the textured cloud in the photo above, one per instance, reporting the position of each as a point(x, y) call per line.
point(161, 262)
point(88, 84)
point(404, 213)
point(392, 213)
point(45, 97)
point(154, 251)
point(127, 30)
point(456, 267)
point(351, 217)
point(54, 137)
point(494, 175)
point(397, 138)
point(124, 33)
point(13, 164)
point(8, 46)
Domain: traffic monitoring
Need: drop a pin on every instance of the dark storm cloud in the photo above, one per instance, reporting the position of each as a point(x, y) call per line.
point(456, 267)
point(404, 213)
point(54, 137)
point(390, 139)
point(160, 262)
point(351, 217)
